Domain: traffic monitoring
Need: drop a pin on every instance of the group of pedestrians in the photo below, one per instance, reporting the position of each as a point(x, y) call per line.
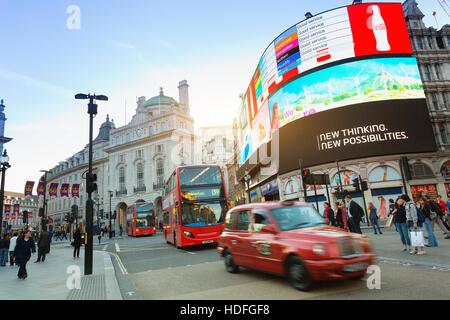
point(348, 216)
point(410, 216)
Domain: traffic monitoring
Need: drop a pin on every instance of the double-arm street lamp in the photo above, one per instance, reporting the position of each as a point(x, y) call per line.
point(4, 160)
point(91, 186)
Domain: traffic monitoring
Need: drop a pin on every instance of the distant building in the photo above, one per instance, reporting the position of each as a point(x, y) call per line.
point(132, 161)
point(29, 203)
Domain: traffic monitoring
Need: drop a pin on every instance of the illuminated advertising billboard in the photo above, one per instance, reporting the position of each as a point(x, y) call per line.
point(334, 66)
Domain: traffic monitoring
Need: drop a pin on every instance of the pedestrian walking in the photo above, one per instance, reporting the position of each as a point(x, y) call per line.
point(444, 210)
point(374, 218)
point(12, 246)
point(24, 248)
point(436, 216)
point(412, 220)
point(121, 230)
point(76, 243)
point(329, 214)
point(43, 245)
point(100, 237)
point(426, 209)
point(4, 248)
point(355, 214)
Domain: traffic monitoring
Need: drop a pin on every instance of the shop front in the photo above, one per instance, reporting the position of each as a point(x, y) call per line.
point(270, 192)
point(422, 190)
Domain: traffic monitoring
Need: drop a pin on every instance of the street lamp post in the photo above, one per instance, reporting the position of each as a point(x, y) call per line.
point(5, 165)
point(44, 218)
point(110, 213)
point(90, 182)
point(247, 178)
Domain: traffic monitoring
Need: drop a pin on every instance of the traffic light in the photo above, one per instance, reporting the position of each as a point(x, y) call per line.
point(356, 184)
point(101, 214)
point(306, 176)
point(74, 213)
point(114, 215)
point(364, 186)
point(107, 216)
point(67, 217)
point(41, 212)
point(91, 186)
point(25, 216)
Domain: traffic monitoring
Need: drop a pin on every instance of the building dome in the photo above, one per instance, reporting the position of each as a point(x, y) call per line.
point(160, 100)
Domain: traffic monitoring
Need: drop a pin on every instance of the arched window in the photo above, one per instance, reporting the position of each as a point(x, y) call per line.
point(140, 176)
point(420, 170)
point(384, 173)
point(122, 180)
point(445, 170)
point(160, 172)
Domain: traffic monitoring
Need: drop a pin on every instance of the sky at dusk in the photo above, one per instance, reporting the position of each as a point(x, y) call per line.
point(127, 49)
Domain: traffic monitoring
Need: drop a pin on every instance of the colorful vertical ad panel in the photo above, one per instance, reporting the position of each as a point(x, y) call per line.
point(261, 132)
point(287, 53)
point(346, 84)
point(246, 148)
point(268, 69)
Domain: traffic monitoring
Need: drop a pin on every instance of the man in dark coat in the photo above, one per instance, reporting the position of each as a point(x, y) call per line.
point(24, 247)
point(355, 213)
point(43, 245)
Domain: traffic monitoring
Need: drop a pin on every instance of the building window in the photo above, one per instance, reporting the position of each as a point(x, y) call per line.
point(128, 137)
point(163, 126)
point(443, 133)
point(430, 42)
point(448, 42)
point(117, 140)
point(434, 101)
point(122, 179)
point(122, 158)
point(426, 70)
point(140, 176)
point(444, 98)
point(138, 153)
point(421, 170)
point(152, 131)
point(160, 172)
point(438, 71)
point(419, 42)
point(159, 148)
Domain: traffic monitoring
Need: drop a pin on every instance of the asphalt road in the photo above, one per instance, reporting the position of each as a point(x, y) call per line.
point(149, 268)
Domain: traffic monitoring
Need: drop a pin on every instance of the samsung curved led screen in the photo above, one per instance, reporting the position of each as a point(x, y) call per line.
point(340, 85)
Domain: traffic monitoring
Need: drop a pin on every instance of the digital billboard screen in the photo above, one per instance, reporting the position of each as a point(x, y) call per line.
point(359, 56)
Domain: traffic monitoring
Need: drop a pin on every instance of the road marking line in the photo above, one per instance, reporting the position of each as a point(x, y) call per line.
point(189, 252)
point(104, 248)
point(117, 247)
point(119, 262)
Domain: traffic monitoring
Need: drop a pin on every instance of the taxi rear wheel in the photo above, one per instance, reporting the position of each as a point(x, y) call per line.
point(298, 275)
point(230, 266)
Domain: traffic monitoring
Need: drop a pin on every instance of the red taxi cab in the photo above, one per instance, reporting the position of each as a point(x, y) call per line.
point(292, 239)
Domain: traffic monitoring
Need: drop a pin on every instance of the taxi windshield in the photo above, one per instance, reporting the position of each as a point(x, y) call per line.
point(297, 217)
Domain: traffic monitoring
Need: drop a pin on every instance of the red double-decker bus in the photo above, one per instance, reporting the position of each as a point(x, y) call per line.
point(194, 205)
point(140, 219)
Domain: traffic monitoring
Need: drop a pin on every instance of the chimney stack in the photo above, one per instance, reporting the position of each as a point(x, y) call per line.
point(183, 93)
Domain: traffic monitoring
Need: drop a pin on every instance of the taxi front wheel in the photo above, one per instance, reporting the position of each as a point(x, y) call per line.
point(298, 275)
point(229, 262)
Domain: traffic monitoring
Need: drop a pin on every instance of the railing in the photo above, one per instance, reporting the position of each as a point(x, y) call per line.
point(121, 192)
point(139, 189)
point(157, 186)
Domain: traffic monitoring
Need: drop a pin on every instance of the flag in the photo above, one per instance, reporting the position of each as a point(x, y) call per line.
point(53, 190)
point(7, 216)
point(16, 208)
point(7, 208)
point(64, 192)
point(434, 13)
point(19, 215)
point(13, 216)
point(29, 188)
point(30, 214)
point(40, 189)
point(75, 191)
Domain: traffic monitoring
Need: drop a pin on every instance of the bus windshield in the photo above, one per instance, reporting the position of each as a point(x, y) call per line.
point(145, 215)
point(197, 176)
point(203, 213)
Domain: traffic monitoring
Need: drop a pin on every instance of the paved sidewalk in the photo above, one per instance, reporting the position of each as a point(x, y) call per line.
point(389, 249)
point(48, 280)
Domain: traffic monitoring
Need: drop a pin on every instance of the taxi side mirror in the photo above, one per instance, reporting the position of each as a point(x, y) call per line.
point(268, 228)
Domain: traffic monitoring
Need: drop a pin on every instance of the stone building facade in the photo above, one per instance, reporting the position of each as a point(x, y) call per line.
point(132, 161)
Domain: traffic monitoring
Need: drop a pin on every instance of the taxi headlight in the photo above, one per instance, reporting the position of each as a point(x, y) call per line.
point(319, 249)
point(188, 234)
point(365, 241)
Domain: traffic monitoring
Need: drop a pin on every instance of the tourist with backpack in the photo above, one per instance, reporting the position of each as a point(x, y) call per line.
point(436, 217)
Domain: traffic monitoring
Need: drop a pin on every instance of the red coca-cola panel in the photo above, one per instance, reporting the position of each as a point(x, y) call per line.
point(379, 28)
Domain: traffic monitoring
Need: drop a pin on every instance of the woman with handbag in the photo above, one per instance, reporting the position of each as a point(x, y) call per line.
point(413, 223)
point(426, 209)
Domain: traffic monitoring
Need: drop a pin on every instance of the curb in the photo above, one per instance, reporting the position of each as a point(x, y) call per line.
point(112, 286)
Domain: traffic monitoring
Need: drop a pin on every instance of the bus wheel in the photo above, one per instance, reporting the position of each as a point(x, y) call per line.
point(175, 241)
